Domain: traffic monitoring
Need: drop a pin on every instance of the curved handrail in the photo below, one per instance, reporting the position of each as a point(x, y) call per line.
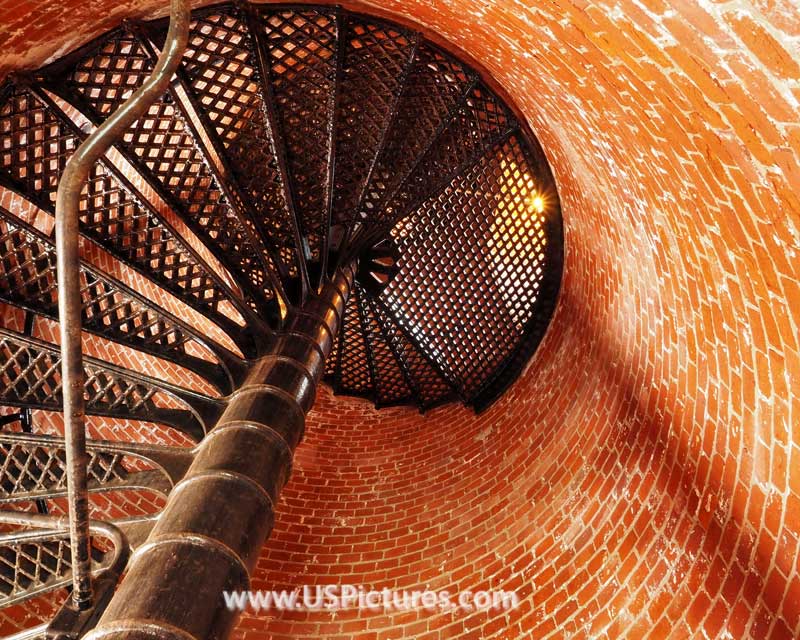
point(70, 185)
point(39, 631)
point(44, 526)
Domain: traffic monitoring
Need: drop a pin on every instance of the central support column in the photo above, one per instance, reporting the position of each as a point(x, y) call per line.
point(208, 537)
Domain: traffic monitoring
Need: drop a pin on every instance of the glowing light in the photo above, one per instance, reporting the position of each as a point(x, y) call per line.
point(536, 203)
point(518, 236)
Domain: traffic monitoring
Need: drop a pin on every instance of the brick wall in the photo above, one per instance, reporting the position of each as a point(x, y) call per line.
point(643, 477)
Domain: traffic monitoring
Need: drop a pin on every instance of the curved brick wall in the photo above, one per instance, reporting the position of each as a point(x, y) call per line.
point(643, 477)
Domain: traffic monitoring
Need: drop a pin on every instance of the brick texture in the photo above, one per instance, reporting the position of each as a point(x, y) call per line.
point(642, 478)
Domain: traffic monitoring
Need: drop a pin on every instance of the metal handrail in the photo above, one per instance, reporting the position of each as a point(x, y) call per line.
point(68, 197)
point(39, 631)
point(44, 526)
point(60, 523)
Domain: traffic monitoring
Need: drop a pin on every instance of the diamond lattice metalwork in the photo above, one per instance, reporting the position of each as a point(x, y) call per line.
point(292, 139)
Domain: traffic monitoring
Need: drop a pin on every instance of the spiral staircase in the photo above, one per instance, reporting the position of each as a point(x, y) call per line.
point(293, 140)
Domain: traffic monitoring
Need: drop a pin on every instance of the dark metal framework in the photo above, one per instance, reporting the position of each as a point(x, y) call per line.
point(291, 139)
point(293, 142)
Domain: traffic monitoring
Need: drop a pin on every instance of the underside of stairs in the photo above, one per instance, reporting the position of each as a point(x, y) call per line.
point(293, 139)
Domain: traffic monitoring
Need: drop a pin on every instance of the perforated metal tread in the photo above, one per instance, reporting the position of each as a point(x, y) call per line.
point(294, 137)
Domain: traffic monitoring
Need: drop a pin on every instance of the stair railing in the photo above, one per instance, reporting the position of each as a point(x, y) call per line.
point(68, 200)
